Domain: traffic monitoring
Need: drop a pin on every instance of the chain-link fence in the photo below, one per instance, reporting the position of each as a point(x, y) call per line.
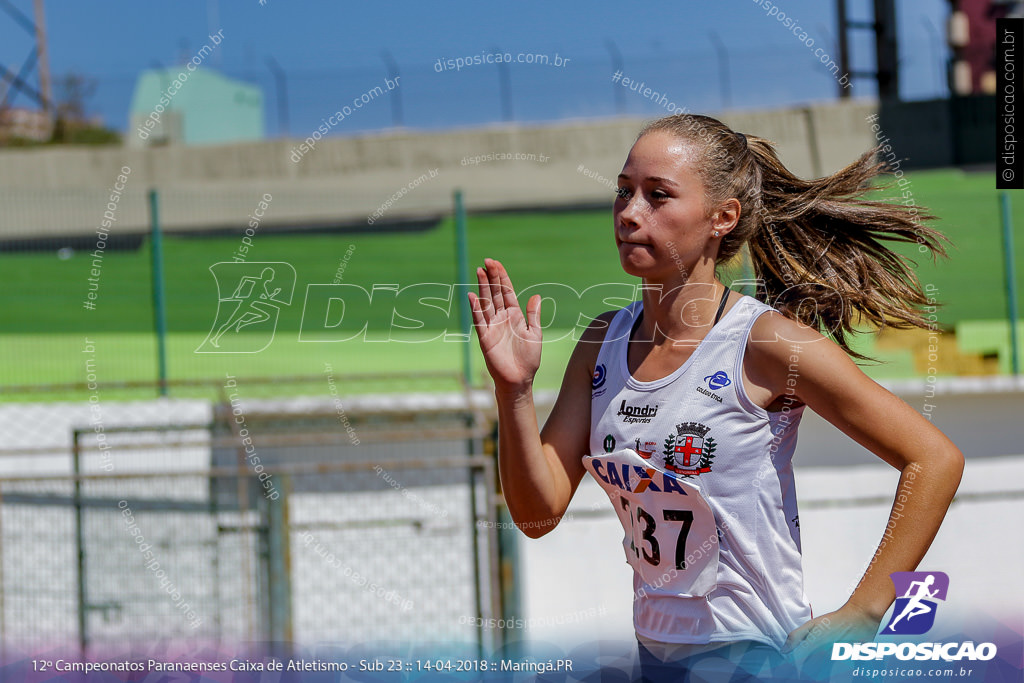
point(275, 521)
point(514, 83)
point(133, 283)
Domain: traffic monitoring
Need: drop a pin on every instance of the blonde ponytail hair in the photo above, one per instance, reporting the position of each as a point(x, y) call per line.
point(817, 246)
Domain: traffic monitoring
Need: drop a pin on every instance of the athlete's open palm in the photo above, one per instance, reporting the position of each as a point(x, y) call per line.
point(510, 342)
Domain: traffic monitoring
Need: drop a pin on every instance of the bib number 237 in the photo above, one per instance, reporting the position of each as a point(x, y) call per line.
point(671, 538)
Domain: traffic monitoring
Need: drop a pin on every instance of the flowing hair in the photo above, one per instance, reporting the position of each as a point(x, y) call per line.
point(817, 246)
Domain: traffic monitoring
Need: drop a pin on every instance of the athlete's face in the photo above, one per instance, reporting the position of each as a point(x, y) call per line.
point(662, 226)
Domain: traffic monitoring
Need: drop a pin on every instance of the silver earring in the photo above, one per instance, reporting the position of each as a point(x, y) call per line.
point(716, 233)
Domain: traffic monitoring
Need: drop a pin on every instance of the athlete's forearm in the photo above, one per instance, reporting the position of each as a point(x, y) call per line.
point(924, 493)
point(524, 468)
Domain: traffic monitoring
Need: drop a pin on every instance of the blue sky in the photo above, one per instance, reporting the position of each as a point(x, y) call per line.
point(332, 52)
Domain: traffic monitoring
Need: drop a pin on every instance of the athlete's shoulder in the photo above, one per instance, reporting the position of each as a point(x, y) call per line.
point(597, 330)
point(773, 335)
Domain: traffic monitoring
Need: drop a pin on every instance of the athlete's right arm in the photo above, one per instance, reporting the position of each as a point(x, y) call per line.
point(539, 471)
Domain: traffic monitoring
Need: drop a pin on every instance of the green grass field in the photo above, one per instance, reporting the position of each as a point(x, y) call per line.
point(43, 324)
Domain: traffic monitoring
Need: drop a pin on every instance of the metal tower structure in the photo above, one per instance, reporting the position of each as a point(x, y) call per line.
point(11, 81)
point(883, 26)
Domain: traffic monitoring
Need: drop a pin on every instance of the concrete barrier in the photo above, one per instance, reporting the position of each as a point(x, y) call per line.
point(62, 191)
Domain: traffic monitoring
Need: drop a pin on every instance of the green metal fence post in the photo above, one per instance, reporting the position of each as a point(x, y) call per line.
point(1011, 281)
point(511, 594)
point(462, 277)
point(83, 598)
point(279, 570)
point(159, 309)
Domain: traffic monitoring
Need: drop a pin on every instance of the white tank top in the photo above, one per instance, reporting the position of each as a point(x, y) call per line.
point(702, 481)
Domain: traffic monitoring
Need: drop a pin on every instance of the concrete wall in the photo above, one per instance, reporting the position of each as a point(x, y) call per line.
point(343, 180)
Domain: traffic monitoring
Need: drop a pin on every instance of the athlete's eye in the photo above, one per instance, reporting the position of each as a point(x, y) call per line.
point(659, 194)
point(623, 193)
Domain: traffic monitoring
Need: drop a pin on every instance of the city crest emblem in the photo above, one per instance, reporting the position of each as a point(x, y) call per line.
point(690, 451)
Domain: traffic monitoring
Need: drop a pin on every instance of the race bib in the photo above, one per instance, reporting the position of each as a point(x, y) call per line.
point(671, 537)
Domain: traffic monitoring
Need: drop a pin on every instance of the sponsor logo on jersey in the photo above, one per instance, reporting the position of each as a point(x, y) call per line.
point(600, 374)
point(609, 443)
point(633, 414)
point(643, 479)
point(690, 451)
point(710, 394)
point(636, 479)
point(916, 596)
point(647, 449)
point(719, 380)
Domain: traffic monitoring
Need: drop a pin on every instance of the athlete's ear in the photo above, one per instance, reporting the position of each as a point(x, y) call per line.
point(725, 217)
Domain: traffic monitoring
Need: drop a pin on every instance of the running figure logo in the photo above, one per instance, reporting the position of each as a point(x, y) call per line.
point(916, 596)
point(247, 318)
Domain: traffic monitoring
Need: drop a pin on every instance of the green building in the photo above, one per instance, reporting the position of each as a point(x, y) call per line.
point(194, 106)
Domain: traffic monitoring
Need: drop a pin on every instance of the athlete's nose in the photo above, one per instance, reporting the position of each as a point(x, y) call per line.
point(629, 217)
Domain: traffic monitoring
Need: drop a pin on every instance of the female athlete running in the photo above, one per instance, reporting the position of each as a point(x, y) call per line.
point(684, 405)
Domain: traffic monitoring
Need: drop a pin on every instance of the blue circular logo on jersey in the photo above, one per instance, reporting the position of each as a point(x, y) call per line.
point(718, 380)
point(598, 380)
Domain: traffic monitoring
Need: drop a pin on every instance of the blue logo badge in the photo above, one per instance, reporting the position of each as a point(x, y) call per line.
point(598, 380)
point(916, 596)
point(718, 380)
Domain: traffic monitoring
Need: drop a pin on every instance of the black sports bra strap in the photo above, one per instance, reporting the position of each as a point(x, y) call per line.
point(721, 306)
point(636, 325)
point(718, 315)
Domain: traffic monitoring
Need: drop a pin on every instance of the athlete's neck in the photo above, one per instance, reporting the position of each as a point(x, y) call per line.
point(679, 313)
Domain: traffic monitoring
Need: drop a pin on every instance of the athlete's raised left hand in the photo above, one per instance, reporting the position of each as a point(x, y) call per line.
point(509, 340)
